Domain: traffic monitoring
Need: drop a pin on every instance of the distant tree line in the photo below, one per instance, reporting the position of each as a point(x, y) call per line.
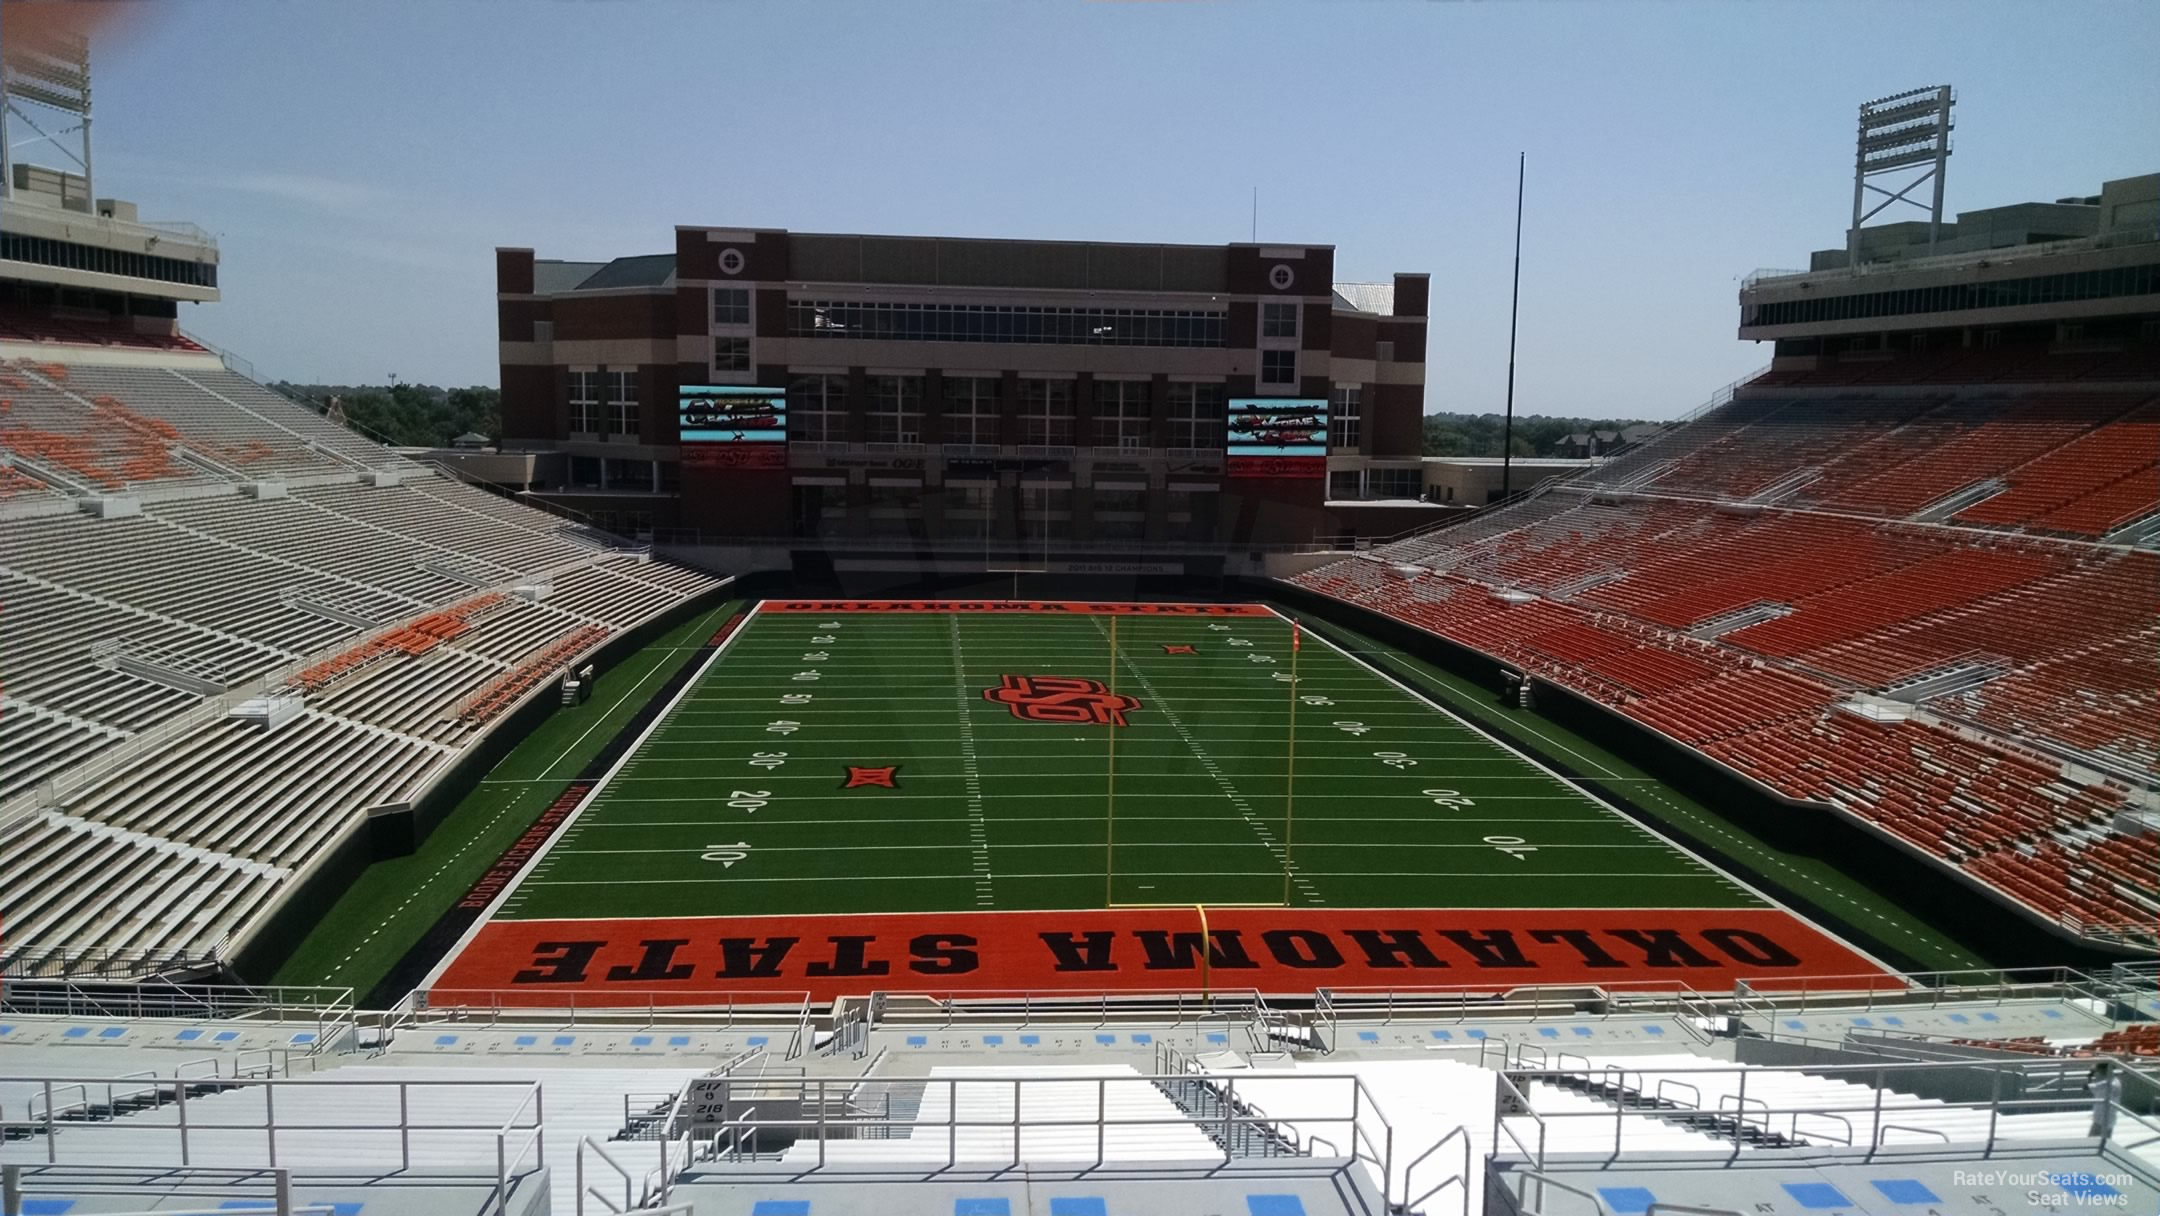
point(409, 415)
point(1535, 434)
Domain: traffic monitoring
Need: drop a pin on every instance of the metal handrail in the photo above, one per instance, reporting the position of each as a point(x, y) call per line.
point(189, 1125)
point(644, 1009)
point(327, 1006)
point(1367, 1144)
point(1462, 1176)
point(1746, 1110)
point(1522, 1204)
point(1881, 1128)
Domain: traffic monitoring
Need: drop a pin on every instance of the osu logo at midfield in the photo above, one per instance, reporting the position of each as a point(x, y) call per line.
point(1066, 699)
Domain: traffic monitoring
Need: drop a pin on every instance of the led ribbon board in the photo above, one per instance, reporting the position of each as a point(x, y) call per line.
point(732, 426)
point(1277, 437)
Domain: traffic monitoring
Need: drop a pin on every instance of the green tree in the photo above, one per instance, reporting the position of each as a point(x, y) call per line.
point(1482, 434)
point(409, 415)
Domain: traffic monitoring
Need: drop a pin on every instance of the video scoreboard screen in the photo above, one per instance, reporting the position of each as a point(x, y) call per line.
point(732, 426)
point(1277, 437)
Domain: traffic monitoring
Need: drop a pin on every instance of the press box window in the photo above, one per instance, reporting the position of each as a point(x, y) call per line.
point(731, 306)
point(1278, 367)
point(622, 402)
point(1278, 320)
point(731, 354)
point(584, 403)
point(1345, 417)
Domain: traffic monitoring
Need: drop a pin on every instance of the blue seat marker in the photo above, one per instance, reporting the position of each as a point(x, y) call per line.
point(1078, 1205)
point(1905, 1190)
point(780, 1207)
point(1274, 1205)
point(1817, 1195)
point(995, 1206)
point(1627, 1200)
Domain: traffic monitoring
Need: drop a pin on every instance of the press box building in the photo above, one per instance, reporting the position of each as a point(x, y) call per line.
point(760, 384)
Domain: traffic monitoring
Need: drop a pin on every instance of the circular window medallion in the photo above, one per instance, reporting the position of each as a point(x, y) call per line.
point(1280, 277)
point(731, 261)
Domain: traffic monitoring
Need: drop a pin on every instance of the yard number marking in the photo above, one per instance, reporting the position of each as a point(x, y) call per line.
point(1513, 846)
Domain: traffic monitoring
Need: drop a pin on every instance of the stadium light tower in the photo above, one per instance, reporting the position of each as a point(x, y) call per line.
point(1901, 133)
point(45, 83)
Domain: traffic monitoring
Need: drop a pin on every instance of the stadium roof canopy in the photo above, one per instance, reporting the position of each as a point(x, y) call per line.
point(1377, 298)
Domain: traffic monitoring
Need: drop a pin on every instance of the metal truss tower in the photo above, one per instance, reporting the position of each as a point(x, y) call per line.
point(45, 99)
point(1905, 132)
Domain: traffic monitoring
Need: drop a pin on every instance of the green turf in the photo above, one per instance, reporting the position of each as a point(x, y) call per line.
point(394, 901)
point(1393, 803)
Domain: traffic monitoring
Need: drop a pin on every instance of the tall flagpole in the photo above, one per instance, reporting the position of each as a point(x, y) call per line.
point(1507, 432)
point(1289, 823)
point(1110, 813)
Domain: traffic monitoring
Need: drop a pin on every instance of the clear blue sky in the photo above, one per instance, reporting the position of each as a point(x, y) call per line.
point(359, 162)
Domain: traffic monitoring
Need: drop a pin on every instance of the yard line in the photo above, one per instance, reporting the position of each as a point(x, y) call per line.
point(1031, 794)
point(1034, 774)
point(926, 848)
point(1128, 844)
point(1540, 876)
point(821, 821)
point(978, 823)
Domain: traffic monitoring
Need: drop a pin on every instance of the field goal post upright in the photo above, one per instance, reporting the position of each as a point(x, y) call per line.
point(1110, 900)
point(1905, 132)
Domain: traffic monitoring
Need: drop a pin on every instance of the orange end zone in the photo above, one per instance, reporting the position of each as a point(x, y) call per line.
point(1287, 952)
point(1052, 607)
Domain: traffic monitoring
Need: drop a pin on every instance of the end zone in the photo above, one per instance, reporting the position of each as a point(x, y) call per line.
point(1278, 951)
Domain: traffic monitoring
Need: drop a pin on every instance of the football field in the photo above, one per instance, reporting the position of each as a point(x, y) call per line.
point(992, 795)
